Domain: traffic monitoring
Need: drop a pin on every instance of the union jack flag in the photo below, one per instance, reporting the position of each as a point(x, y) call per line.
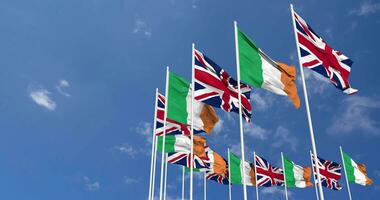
point(266, 174)
point(219, 178)
point(329, 172)
point(317, 55)
point(184, 159)
point(172, 127)
point(214, 86)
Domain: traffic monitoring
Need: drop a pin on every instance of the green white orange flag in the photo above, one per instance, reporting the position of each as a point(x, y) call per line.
point(236, 171)
point(356, 173)
point(260, 71)
point(295, 175)
point(179, 106)
point(182, 143)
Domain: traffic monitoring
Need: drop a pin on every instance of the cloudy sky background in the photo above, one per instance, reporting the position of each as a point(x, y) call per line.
point(77, 89)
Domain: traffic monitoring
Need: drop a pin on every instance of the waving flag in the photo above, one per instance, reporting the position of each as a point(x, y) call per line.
point(329, 173)
point(183, 158)
point(356, 172)
point(317, 55)
point(218, 168)
point(267, 175)
point(215, 87)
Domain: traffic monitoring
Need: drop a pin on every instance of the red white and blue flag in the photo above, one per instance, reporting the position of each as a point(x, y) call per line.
point(219, 178)
point(215, 87)
point(268, 175)
point(330, 173)
point(317, 55)
point(184, 158)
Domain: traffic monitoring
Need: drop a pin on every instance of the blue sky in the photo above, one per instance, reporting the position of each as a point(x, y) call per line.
point(77, 88)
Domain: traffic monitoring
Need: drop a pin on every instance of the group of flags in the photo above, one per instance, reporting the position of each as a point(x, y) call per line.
point(188, 109)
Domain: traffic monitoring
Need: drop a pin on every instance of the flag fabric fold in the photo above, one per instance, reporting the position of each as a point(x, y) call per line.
point(215, 87)
point(356, 173)
point(317, 55)
point(268, 175)
point(330, 173)
point(260, 71)
point(236, 171)
point(295, 175)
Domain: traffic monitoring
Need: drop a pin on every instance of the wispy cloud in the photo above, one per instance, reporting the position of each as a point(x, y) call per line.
point(255, 131)
point(355, 114)
point(194, 4)
point(91, 185)
point(62, 85)
point(366, 8)
point(127, 149)
point(273, 191)
point(145, 129)
point(261, 100)
point(130, 180)
point(41, 97)
point(316, 83)
point(283, 137)
point(142, 28)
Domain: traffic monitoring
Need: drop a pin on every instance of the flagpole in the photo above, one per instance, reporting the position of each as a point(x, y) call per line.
point(283, 167)
point(204, 187)
point(154, 164)
point(345, 173)
point(315, 183)
point(151, 184)
point(192, 121)
point(183, 182)
point(229, 175)
point(257, 186)
point(314, 148)
point(240, 109)
point(164, 133)
point(166, 174)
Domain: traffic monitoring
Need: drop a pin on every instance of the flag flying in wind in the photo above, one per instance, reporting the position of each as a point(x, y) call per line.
point(295, 175)
point(179, 106)
point(215, 87)
point(218, 170)
point(260, 71)
point(356, 173)
point(317, 55)
point(236, 171)
point(267, 175)
point(330, 173)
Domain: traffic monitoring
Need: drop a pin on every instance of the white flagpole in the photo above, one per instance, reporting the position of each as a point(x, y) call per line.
point(315, 183)
point(154, 165)
point(229, 175)
point(345, 173)
point(151, 184)
point(257, 186)
point(283, 167)
point(166, 174)
point(164, 133)
point(192, 121)
point(240, 109)
point(314, 148)
point(204, 187)
point(183, 183)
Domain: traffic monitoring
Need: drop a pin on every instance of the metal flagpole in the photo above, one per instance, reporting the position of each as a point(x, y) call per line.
point(154, 165)
point(164, 132)
point(229, 175)
point(183, 183)
point(192, 121)
point(283, 167)
point(240, 109)
point(314, 148)
point(166, 174)
point(257, 186)
point(151, 184)
point(315, 183)
point(345, 173)
point(204, 187)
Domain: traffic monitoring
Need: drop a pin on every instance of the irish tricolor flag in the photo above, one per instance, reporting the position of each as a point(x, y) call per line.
point(182, 143)
point(179, 106)
point(236, 171)
point(356, 173)
point(295, 175)
point(260, 71)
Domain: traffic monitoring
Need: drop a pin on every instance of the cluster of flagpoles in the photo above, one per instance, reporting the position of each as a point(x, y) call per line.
point(164, 156)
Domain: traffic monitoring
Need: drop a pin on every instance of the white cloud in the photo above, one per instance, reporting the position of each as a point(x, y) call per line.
point(62, 84)
point(127, 149)
point(91, 185)
point(274, 191)
point(194, 4)
point(141, 27)
point(315, 82)
point(355, 114)
point(145, 129)
point(41, 97)
point(283, 137)
point(262, 100)
point(218, 127)
point(366, 8)
point(130, 180)
point(255, 131)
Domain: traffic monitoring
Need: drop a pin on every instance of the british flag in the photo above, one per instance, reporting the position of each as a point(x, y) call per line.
point(172, 127)
point(317, 55)
point(330, 173)
point(184, 159)
point(266, 174)
point(219, 178)
point(214, 86)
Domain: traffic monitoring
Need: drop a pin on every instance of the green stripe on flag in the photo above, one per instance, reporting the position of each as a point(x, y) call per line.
point(187, 170)
point(251, 71)
point(178, 92)
point(169, 143)
point(235, 169)
point(349, 168)
point(289, 178)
